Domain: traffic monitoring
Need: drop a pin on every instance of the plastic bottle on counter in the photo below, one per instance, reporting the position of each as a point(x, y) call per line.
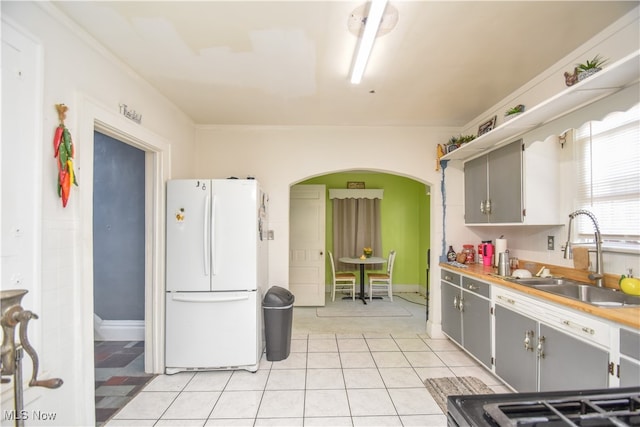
point(451, 254)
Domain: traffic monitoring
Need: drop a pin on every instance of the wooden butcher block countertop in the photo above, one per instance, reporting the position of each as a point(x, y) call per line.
point(629, 316)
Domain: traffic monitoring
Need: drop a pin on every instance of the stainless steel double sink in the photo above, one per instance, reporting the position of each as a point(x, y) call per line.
point(602, 297)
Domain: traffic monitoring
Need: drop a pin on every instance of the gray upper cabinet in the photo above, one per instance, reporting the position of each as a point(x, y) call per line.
point(475, 190)
point(514, 184)
point(493, 186)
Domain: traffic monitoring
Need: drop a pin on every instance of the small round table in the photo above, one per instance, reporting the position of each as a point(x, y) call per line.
point(362, 262)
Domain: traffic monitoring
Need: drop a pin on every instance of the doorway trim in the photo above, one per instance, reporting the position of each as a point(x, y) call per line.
point(94, 117)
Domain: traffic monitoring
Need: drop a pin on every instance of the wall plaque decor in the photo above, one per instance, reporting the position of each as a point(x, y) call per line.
point(487, 126)
point(355, 185)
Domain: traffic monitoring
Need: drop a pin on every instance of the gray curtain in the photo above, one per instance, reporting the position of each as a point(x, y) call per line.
point(356, 225)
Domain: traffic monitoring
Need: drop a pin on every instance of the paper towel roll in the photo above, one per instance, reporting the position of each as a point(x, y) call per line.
point(501, 246)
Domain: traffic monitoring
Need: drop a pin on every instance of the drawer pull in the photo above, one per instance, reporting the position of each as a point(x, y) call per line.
point(509, 300)
point(584, 329)
point(473, 287)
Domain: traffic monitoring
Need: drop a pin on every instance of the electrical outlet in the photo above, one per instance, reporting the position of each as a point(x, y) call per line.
point(550, 243)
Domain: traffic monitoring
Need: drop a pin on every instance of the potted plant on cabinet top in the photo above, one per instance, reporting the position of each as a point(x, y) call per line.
point(513, 112)
point(582, 71)
point(457, 141)
point(590, 67)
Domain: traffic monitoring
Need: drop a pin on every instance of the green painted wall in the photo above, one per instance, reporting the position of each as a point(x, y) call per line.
point(405, 211)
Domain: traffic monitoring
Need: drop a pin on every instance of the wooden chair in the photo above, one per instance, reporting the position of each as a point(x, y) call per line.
point(342, 281)
point(382, 281)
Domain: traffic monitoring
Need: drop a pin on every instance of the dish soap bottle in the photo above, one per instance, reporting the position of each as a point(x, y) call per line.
point(451, 254)
point(629, 284)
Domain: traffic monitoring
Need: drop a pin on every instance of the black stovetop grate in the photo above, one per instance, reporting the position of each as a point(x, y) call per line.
point(610, 409)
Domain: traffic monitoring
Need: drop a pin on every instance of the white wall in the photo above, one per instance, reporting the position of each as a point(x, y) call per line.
point(282, 156)
point(80, 75)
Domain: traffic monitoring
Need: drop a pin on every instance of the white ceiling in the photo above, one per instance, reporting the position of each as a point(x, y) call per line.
point(287, 62)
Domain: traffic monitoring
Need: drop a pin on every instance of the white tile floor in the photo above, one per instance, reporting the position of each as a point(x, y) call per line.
point(342, 371)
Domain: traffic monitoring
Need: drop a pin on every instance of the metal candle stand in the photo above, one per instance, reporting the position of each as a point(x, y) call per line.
point(12, 352)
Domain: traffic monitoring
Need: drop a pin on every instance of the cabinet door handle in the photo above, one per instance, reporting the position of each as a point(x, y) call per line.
point(455, 302)
point(482, 211)
point(487, 206)
point(541, 347)
point(461, 304)
point(528, 335)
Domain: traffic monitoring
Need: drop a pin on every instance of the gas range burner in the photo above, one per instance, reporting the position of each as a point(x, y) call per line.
point(584, 408)
point(619, 409)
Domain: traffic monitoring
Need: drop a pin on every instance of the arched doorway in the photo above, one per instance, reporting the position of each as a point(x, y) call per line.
point(406, 212)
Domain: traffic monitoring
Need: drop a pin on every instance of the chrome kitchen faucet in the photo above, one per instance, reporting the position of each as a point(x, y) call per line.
point(598, 276)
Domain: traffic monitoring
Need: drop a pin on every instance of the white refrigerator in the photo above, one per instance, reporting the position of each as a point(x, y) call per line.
point(216, 274)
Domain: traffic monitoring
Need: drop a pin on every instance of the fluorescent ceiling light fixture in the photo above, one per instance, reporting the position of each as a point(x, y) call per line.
point(376, 10)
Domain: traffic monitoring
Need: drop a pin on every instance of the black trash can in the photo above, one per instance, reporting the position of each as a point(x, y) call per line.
point(278, 317)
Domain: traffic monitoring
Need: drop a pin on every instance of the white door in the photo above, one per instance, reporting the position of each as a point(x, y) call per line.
point(307, 244)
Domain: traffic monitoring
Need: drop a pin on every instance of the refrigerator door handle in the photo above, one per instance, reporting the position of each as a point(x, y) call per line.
point(213, 236)
point(205, 236)
point(208, 299)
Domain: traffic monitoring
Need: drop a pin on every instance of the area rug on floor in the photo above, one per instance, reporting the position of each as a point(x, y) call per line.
point(350, 308)
point(440, 388)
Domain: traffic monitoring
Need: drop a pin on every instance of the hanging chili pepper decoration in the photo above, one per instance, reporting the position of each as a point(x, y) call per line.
point(64, 151)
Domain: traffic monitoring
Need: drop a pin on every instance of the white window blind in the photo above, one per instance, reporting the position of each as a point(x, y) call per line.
point(608, 167)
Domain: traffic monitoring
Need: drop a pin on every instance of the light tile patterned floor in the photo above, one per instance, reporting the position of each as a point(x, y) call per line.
point(336, 375)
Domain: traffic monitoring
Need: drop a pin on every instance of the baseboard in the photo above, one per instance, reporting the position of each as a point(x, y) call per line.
point(118, 330)
point(397, 288)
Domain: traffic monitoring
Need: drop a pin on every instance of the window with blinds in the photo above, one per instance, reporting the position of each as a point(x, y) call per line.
point(608, 174)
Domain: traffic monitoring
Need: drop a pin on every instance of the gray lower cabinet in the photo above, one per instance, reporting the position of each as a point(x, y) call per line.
point(515, 341)
point(466, 315)
point(451, 318)
point(567, 363)
point(531, 356)
point(476, 319)
point(629, 366)
point(629, 372)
